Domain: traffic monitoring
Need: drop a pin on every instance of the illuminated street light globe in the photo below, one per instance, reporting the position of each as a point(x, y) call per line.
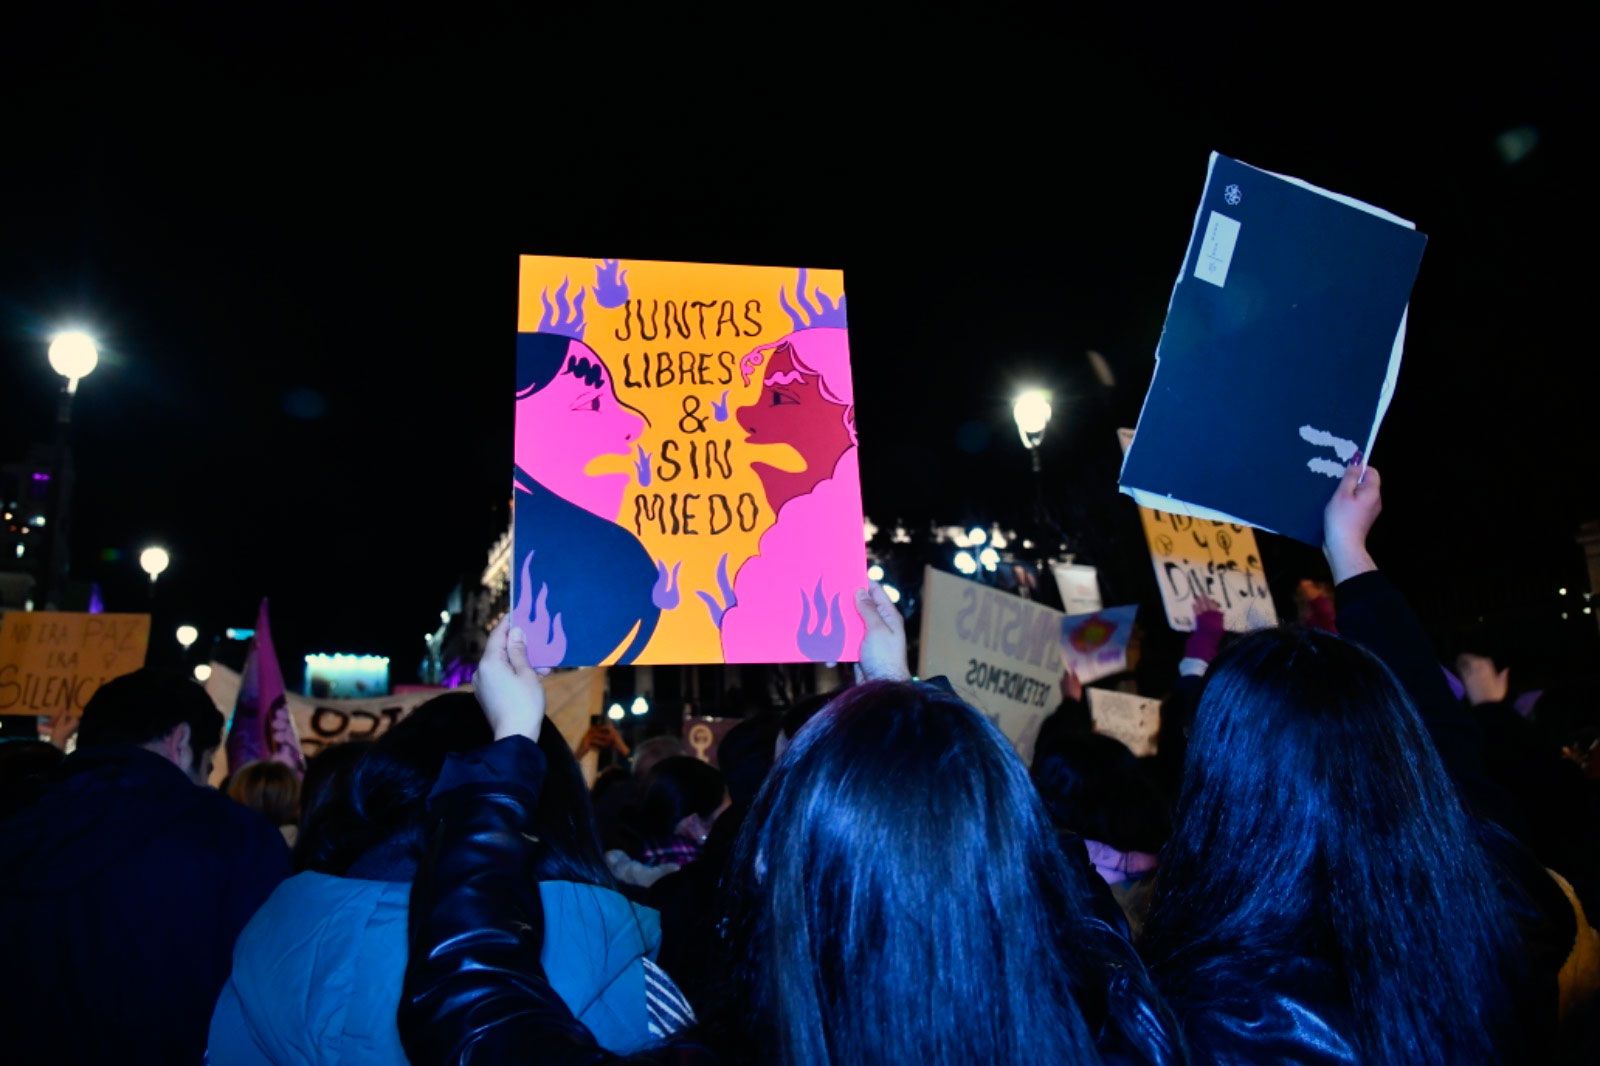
point(187, 635)
point(73, 355)
point(1032, 413)
point(154, 561)
point(202, 673)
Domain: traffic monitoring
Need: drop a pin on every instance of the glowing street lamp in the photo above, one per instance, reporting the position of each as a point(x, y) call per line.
point(202, 672)
point(616, 713)
point(187, 635)
point(640, 707)
point(154, 561)
point(74, 356)
point(1031, 412)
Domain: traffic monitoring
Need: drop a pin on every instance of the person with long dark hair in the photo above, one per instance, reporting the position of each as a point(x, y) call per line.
point(326, 954)
point(899, 897)
point(1325, 895)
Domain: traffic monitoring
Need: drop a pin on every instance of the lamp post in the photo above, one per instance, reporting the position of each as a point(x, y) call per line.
point(74, 356)
point(1031, 412)
point(187, 635)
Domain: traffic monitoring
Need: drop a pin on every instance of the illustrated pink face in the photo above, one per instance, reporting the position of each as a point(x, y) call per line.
point(792, 410)
point(568, 422)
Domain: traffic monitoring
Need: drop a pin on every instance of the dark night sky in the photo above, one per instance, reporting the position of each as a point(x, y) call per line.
point(263, 218)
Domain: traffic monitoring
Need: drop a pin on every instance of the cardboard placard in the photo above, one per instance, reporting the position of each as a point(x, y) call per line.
point(572, 698)
point(1279, 353)
point(1079, 586)
point(1196, 557)
point(686, 486)
point(704, 734)
point(1000, 652)
point(51, 662)
point(1095, 645)
point(1133, 719)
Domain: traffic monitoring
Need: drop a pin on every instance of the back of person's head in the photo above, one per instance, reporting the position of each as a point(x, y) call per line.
point(1316, 820)
point(387, 794)
point(648, 753)
point(146, 706)
point(25, 766)
point(804, 709)
point(1483, 664)
point(22, 759)
point(269, 788)
point(325, 812)
point(746, 754)
point(898, 895)
point(679, 787)
point(1091, 785)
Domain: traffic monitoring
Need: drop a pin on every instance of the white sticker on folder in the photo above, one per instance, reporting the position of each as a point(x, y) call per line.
point(1216, 250)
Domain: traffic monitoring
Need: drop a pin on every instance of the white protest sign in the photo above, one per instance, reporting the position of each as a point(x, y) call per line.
point(1127, 717)
point(571, 698)
point(1000, 652)
point(1079, 586)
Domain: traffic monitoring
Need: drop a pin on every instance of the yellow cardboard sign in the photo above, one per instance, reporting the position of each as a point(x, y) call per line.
point(1196, 557)
point(51, 662)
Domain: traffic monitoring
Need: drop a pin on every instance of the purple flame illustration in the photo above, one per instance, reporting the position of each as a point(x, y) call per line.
point(719, 408)
point(547, 640)
point(825, 313)
point(642, 464)
point(565, 317)
point(666, 593)
point(822, 645)
point(728, 601)
point(610, 284)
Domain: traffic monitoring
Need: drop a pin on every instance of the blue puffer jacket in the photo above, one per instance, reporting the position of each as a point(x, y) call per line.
point(317, 972)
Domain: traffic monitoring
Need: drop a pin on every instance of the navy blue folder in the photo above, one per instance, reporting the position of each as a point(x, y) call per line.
point(1279, 353)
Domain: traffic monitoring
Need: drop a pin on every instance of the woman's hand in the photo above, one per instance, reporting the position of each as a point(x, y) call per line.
point(601, 738)
point(1348, 519)
point(883, 649)
point(508, 686)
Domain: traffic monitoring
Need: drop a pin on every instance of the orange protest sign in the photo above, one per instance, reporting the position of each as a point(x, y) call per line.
point(685, 478)
point(1197, 557)
point(51, 662)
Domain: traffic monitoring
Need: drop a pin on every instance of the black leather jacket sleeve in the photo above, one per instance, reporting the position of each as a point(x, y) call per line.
point(475, 990)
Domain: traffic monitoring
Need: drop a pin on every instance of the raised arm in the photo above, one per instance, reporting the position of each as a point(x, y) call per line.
point(1373, 613)
point(475, 990)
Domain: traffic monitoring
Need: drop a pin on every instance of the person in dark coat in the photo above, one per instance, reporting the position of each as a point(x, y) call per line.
point(124, 881)
point(690, 900)
point(1328, 894)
